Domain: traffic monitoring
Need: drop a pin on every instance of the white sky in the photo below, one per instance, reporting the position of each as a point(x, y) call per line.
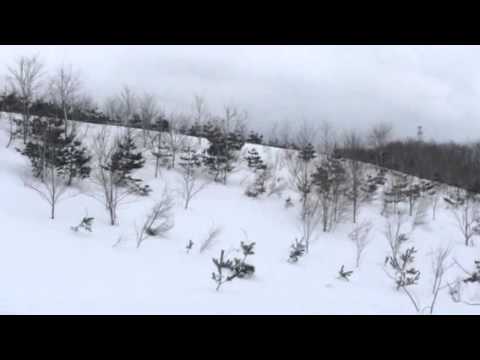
point(437, 87)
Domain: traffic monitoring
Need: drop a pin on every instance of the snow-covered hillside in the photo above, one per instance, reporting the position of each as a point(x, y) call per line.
point(46, 268)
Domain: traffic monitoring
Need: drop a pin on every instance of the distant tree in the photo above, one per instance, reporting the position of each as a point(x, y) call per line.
point(220, 156)
point(466, 213)
point(255, 138)
point(378, 137)
point(160, 150)
point(175, 140)
point(7, 106)
point(395, 193)
point(64, 89)
point(201, 116)
point(358, 191)
point(327, 139)
point(148, 113)
point(25, 78)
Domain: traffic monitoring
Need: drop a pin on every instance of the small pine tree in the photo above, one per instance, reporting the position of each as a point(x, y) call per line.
point(222, 152)
point(236, 268)
point(344, 275)
point(405, 273)
point(329, 180)
point(221, 265)
point(307, 153)
point(298, 249)
point(124, 161)
point(189, 246)
point(258, 186)
point(86, 224)
point(76, 159)
point(46, 146)
point(254, 160)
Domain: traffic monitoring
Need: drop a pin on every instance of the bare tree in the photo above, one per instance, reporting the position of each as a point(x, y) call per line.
point(435, 195)
point(25, 78)
point(355, 174)
point(64, 90)
point(234, 120)
point(159, 221)
point(112, 108)
point(327, 139)
point(149, 111)
point(310, 219)
point(190, 181)
point(273, 139)
point(395, 232)
point(306, 134)
point(51, 189)
point(122, 107)
point(439, 268)
point(110, 192)
point(200, 113)
point(285, 137)
point(210, 239)
point(174, 139)
point(300, 164)
point(466, 213)
point(128, 104)
point(51, 186)
point(379, 136)
point(359, 236)
point(160, 150)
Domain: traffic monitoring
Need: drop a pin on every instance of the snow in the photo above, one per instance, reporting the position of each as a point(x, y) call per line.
point(46, 268)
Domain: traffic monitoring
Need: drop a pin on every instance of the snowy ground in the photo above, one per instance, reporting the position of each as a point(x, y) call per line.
point(45, 268)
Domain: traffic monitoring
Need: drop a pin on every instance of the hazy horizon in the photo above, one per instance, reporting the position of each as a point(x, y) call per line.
point(351, 86)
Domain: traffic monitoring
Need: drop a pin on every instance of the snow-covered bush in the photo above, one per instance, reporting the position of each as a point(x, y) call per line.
point(359, 236)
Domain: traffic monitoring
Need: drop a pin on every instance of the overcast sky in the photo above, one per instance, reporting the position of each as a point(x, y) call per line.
point(437, 87)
